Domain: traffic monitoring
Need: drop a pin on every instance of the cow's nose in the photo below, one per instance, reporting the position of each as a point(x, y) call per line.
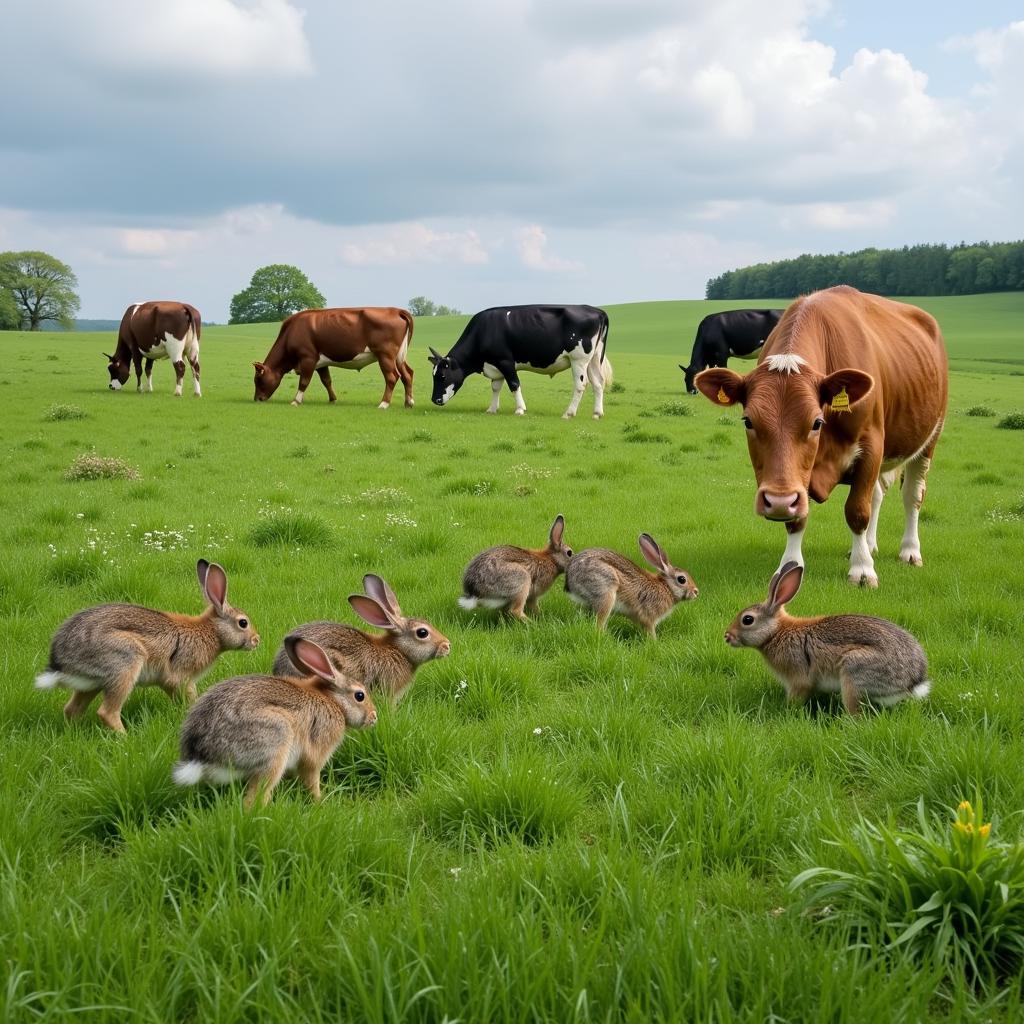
point(437, 401)
point(779, 506)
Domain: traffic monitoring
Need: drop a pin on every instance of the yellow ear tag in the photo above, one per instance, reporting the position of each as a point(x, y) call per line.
point(723, 397)
point(841, 402)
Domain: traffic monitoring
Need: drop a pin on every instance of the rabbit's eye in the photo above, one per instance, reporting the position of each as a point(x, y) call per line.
point(568, 552)
point(680, 579)
point(243, 623)
point(817, 424)
point(423, 632)
point(359, 696)
point(747, 620)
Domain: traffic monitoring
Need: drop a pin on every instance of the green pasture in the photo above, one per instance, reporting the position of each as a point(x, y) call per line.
point(555, 825)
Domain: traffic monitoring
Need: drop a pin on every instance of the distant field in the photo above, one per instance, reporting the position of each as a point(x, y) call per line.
point(555, 824)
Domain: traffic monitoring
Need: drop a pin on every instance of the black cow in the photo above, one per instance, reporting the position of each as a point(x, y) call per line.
point(736, 332)
point(501, 341)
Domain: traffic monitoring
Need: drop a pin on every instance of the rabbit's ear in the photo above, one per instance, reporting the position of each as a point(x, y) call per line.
point(372, 612)
point(374, 586)
point(788, 583)
point(309, 657)
point(213, 581)
point(557, 529)
point(652, 552)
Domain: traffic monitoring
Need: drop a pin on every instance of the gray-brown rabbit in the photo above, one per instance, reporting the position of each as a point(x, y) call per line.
point(860, 656)
point(381, 662)
point(112, 648)
point(260, 728)
point(515, 578)
point(609, 582)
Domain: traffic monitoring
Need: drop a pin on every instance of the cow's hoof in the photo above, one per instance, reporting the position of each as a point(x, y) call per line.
point(383, 405)
point(567, 415)
point(295, 404)
point(520, 412)
point(863, 579)
point(912, 556)
point(598, 415)
point(409, 404)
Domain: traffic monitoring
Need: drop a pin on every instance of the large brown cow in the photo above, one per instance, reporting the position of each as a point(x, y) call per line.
point(317, 339)
point(850, 388)
point(156, 330)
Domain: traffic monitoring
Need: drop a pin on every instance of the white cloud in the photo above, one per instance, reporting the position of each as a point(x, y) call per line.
point(154, 242)
point(414, 243)
point(533, 252)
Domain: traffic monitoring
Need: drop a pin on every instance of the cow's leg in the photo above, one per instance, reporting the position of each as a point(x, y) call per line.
point(325, 378)
point(578, 369)
point(794, 542)
point(595, 371)
point(179, 377)
point(193, 361)
point(914, 475)
point(858, 516)
point(496, 386)
point(406, 373)
point(137, 360)
point(305, 372)
point(882, 485)
point(149, 375)
point(512, 379)
point(390, 372)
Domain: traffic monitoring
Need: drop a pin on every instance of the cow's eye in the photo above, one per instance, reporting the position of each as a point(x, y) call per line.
point(243, 623)
point(747, 423)
point(359, 696)
point(747, 620)
point(423, 632)
point(817, 424)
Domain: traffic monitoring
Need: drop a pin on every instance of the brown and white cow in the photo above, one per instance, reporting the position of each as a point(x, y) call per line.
point(317, 339)
point(849, 388)
point(156, 330)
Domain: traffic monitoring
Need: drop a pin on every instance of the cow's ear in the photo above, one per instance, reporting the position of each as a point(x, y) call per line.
point(433, 359)
point(721, 386)
point(259, 368)
point(109, 358)
point(855, 383)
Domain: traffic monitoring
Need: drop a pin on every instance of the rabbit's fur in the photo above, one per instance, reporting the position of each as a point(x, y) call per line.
point(384, 663)
point(515, 578)
point(112, 648)
point(860, 656)
point(260, 728)
point(609, 582)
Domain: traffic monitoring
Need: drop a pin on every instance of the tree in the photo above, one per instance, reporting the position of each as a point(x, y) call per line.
point(41, 287)
point(420, 305)
point(9, 318)
point(275, 292)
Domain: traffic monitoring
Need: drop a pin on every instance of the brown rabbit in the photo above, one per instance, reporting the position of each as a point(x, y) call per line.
point(385, 663)
point(260, 728)
point(113, 648)
point(608, 582)
point(860, 656)
point(515, 578)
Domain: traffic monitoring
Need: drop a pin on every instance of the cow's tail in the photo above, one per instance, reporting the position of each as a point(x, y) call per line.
point(403, 350)
point(607, 375)
point(193, 326)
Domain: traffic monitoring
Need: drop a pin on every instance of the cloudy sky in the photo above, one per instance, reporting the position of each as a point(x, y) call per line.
point(490, 152)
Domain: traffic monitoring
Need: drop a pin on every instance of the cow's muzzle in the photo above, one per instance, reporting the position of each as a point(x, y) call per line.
point(781, 507)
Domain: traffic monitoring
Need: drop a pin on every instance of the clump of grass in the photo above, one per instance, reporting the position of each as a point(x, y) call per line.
point(291, 529)
point(91, 466)
point(676, 408)
point(523, 490)
point(942, 896)
point(71, 570)
point(634, 434)
point(617, 388)
point(980, 410)
point(477, 488)
point(421, 435)
point(1015, 421)
point(303, 451)
point(60, 411)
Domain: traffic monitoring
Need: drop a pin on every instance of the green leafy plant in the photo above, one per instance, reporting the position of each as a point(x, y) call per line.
point(948, 896)
point(1015, 421)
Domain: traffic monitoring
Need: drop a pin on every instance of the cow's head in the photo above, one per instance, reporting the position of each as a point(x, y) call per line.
point(266, 381)
point(119, 370)
point(448, 377)
point(785, 403)
point(688, 375)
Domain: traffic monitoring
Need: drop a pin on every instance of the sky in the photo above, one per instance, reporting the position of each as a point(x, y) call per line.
point(484, 153)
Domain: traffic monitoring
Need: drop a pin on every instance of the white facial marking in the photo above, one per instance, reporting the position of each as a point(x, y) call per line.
point(448, 392)
point(115, 384)
point(788, 362)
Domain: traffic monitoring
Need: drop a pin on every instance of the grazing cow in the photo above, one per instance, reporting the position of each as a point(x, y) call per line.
point(317, 339)
point(736, 332)
point(151, 331)
point(501, 341)
point(850, 388)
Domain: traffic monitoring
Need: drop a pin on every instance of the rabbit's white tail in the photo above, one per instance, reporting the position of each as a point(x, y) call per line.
point(48, 680)
point(467, 602)
point(922, 689)
point(188, 773)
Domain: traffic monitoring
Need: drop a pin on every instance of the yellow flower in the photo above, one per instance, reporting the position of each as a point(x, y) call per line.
point(985, 829)
point(964, 806)
point(963, 826)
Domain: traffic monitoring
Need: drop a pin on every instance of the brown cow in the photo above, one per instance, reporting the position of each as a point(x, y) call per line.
point(850, 388)
point(156, 330)
point(317, 339)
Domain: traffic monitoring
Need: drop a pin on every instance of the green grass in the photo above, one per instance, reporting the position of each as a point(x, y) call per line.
point(554, 824)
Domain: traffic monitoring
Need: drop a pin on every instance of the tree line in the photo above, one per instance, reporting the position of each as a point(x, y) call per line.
point(913, 270)
point(37, 289)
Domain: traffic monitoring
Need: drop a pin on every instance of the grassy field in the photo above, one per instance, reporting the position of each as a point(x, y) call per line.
point(555, 824)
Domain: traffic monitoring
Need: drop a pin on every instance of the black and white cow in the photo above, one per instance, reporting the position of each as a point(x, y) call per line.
point(736, 332)
point(500, 342)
